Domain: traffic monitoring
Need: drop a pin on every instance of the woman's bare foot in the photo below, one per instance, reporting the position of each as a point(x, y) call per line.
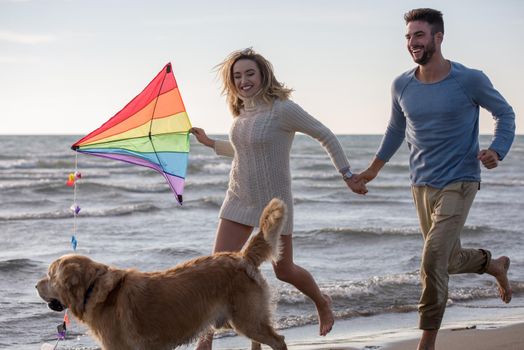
point(205, 342)
point(498, 268)
point(325, 316)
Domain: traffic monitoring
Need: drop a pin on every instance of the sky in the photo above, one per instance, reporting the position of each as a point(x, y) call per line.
point(67, 66)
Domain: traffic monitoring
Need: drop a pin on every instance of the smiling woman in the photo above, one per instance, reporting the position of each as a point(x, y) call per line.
point(246, 74)
point(247, 78)
point(260, 141)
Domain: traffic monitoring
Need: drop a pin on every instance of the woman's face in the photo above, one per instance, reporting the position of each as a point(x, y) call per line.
point(247, 77)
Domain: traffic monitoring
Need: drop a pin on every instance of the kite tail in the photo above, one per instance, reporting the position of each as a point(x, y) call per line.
point(266, 243)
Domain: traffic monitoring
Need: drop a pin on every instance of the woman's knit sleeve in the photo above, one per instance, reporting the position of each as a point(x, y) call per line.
point(294, 118)
point(224, 148)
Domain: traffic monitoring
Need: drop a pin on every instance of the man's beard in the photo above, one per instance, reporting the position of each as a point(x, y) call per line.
point(429, 50)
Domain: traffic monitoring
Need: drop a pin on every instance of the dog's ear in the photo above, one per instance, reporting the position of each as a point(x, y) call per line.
point(84, 283)
point(108, 279)
point(69, 282)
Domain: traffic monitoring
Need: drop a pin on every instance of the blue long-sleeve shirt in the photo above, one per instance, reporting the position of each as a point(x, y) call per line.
point(440, 122)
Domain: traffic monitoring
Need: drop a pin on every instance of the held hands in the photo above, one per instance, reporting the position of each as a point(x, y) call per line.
point(358, 187)
point(365, 176)
point(357, 183)
point(202, 137)
point(489, 158)
point(370, 173)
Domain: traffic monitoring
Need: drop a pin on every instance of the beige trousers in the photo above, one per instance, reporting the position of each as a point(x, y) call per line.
point(442, 214)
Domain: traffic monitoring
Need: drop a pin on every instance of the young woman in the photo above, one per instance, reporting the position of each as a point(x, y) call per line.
point(264, 124)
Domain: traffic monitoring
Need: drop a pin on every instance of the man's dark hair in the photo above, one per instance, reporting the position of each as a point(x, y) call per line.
point(432, 17)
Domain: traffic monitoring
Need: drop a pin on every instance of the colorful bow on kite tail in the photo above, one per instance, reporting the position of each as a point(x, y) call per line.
point(152, 130)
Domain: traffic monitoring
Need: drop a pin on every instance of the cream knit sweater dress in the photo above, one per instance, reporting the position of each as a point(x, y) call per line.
point(260, 141)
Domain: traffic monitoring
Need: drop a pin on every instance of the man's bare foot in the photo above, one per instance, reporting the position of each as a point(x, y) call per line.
point(325, 316)
point(498, 268)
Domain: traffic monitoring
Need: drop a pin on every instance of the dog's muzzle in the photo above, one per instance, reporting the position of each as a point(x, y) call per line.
point(56, 305)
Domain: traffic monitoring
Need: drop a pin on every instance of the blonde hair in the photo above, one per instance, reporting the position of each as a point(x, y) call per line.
point(271, 88)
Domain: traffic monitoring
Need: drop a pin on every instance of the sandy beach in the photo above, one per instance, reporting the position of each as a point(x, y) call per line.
point(478, 325)
point(482, 337)
point(504, 338)
point(509, 337)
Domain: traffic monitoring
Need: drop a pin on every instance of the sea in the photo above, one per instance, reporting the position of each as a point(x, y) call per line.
point(364, 251)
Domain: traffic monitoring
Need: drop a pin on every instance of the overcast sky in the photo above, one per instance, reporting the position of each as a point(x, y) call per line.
point(66, 66)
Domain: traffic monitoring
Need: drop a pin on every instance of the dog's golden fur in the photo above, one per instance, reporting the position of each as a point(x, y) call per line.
point(128, 309)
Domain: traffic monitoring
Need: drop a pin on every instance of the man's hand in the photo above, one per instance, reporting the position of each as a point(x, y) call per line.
point(365, 176)
point(360, 180)
point(489, 158)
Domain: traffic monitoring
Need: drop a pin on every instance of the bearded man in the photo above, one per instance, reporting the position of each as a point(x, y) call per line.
point(435, 108)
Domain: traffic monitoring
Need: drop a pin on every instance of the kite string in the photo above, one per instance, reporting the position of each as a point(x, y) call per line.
point(74, 201)
point(72, 181)
point(75, 209)
point(62, 329)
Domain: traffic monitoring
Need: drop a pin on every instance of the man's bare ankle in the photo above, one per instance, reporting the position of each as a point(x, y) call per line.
point(427, 341)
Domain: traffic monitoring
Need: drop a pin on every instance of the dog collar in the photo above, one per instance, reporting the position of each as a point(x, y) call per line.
point(88, 293)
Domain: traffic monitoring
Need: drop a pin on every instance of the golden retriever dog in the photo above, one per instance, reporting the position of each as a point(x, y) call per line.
point(128, 309)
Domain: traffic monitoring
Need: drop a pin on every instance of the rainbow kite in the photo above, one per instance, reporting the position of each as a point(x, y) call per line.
point(152, 130)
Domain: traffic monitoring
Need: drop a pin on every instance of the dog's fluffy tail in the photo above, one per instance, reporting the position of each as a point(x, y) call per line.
point(266, 243)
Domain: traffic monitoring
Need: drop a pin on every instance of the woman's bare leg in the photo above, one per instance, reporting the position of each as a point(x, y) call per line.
point(230, 237)
point(286, 270)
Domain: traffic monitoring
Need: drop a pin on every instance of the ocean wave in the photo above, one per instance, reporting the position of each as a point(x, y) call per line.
point(28, 184)
point(398, 166)
point(58, 214)
point(49, 184)
point(45, 183)
point(18, 265)
point(402, 185)
point(36, 163)
point(336, 183)
point(397, 293)
point(383, 231)
point(479, 229)
point(364, 232)
point(8, 156)
point(60, 161)
point(179, 253)
point(376, 295)
point(26, 203)
point(64, 214)
point(322, 176)
point(122, 210)
point(316, 166)
point(134, 187)
point(286, 322)
point(203, 165)
point(208, 183)
point(207, 202)
point(17, 163)
point(490, 290)
point(51, 187)
point(504, 182)
point(377, 289)
point(344, 198)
